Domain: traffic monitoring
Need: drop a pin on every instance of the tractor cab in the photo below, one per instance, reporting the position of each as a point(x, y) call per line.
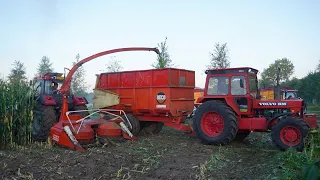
point(48, 84)
point(236, 86)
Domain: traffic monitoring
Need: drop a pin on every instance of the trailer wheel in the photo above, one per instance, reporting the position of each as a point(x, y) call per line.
point(290, 133)
point(241, 136)
point(44, 118)
point(215, 123)
point(134, 122)
point(151, 127)
point(81, 107)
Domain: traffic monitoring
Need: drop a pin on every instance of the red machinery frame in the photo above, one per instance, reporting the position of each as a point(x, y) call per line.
point(61, 132)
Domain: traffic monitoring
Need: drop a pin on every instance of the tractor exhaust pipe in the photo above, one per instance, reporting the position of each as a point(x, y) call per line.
point(277, 92)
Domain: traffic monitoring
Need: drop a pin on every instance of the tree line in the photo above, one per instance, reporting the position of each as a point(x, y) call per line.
point(308, 87)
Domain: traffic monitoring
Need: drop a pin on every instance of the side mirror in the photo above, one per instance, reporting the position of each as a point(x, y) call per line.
point(241, 83)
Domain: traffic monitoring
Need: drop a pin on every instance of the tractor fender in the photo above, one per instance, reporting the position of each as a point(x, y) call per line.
point(231, 104)
point(47, 100)
point(272, 121)
point(79, 100)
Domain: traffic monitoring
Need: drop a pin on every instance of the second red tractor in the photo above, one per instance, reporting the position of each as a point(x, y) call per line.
point(231, 108)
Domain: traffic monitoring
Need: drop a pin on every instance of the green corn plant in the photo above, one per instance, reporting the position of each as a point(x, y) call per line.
point(312, 170)
point(16, 108)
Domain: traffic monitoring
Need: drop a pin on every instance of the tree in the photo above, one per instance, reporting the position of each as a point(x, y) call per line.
point(318, 67)
point(18, 72)
point(163, 59)
point(269, 75)
point(45, 66)
point(79, 86)
point(114, 65)
point(219, 57)
point(309, 86)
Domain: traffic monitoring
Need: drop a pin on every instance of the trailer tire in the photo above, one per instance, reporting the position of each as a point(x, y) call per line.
point(241, 136)
point(151, 127)
point(225, 121)
point(44, 119)
point(134, 122)
point(290, 128)
point(81, 107)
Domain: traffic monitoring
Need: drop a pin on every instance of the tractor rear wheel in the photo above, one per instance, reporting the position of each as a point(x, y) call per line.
point(44, 118)
point(134, 122)
point(151, 127)
point(215, 123)
point(81, 107)
point(241, 136)
point(290, 133)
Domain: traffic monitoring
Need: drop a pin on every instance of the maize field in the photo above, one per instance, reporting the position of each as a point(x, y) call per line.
point(16, 104)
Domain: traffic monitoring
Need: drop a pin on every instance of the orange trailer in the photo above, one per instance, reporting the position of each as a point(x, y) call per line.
point(154, 95)
point(198, 92)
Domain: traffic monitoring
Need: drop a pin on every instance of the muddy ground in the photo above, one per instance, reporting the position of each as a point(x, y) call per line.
point(167, 155)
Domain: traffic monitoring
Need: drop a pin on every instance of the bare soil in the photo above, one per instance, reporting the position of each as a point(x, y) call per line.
point(167, 155)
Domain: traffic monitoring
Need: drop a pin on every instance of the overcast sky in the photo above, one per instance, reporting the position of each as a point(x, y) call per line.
point(256, 32)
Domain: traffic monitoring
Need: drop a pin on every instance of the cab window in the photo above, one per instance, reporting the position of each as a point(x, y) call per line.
point(253, 86)
point(218, 85)
point(238, 85)
point(37, 87)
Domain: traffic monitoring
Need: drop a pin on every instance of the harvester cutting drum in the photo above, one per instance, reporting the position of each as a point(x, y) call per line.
point(228, 109)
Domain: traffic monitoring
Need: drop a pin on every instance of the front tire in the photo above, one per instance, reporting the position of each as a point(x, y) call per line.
point(290, 133)
point(215, 123)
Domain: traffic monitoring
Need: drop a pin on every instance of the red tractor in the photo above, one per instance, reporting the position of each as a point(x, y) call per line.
point(231, 108)
point(48, 103)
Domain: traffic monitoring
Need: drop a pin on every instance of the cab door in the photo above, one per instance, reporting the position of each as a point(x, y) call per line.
point(240, 93)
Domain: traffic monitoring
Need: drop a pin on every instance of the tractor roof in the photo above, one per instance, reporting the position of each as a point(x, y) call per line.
point(232, 70)
point(51, 76)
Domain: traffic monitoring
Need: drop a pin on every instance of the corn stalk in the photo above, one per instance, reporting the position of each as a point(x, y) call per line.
point(16, 105)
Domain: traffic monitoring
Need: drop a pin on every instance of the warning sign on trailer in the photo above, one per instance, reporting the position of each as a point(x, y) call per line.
point(161, 98)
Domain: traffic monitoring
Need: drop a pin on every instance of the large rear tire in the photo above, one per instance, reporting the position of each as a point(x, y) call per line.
point(215, 123)
point(44, 118)
point(290, 133)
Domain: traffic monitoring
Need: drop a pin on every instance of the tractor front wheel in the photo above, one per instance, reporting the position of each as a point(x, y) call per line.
point(290, 133)
point(215, 123)
point(43, 120)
